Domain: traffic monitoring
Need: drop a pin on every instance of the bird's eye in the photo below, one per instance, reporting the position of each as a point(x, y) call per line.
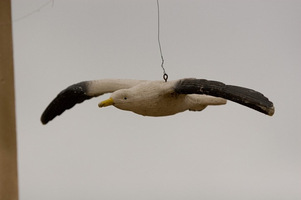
point(125, 98)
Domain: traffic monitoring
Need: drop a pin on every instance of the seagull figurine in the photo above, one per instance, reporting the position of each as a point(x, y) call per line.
point(157, 98)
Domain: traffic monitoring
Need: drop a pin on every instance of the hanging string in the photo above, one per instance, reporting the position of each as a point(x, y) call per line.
point(34, 11)
point(165, 76)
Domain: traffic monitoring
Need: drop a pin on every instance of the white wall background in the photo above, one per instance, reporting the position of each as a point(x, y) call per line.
point(227, 152)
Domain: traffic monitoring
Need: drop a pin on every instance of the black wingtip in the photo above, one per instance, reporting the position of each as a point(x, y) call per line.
point(270, 111)
point(241, 95)
point(250, 98)
point(66, 99)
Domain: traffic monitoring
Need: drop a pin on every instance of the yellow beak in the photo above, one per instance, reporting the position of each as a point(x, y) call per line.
point(107, 102)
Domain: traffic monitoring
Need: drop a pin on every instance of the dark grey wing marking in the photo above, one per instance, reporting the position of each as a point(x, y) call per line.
point(66, 99)
point(241, 95)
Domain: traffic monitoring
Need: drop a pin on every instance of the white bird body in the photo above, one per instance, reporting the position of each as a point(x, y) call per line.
point(157, 98)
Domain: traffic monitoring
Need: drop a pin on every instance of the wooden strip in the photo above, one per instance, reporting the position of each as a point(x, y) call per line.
point(8, 147)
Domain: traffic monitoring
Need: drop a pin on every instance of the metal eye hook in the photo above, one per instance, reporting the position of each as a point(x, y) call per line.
point(165, 77)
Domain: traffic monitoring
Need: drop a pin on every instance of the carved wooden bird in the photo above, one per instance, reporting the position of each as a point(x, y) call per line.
point(157, 98)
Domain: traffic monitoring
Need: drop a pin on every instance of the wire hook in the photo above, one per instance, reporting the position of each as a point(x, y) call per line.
point(165, 76)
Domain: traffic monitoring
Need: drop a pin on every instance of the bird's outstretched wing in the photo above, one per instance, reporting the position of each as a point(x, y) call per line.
point(241, 95)
point(82, 91)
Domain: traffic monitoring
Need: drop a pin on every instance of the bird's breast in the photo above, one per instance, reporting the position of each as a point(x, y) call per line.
point(160, 105)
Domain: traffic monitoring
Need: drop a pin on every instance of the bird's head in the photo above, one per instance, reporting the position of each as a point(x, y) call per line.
point(121, 99)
